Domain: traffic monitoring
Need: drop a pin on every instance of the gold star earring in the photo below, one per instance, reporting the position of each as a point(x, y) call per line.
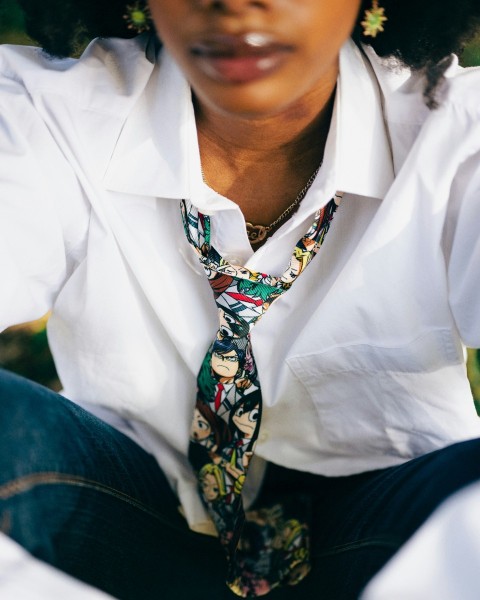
point(374, 20)
point(137, 17)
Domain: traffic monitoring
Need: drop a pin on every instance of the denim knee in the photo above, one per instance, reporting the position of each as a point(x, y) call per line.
point(40, 431)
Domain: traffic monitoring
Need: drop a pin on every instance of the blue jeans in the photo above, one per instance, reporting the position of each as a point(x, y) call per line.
point(83, 497)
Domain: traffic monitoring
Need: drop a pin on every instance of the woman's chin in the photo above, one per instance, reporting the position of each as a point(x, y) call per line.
point(248, 101)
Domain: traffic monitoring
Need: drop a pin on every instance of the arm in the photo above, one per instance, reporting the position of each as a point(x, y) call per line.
point(42, 223)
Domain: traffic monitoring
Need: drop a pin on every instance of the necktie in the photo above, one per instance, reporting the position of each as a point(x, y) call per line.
point(268, 546)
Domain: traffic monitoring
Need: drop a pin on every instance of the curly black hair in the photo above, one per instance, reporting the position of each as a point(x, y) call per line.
point(421, 34)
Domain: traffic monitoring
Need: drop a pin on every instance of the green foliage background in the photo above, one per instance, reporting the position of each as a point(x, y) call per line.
point(11, 23)
point(24, 349)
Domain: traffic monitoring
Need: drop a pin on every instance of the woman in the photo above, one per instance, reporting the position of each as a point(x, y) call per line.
point(255, 117)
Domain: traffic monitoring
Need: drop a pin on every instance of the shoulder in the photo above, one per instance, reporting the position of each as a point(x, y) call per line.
point(403, 106)
point(401, 89)
point(410, 122)
point(108, 67)
point(463, 92)
point(446, 148)
point(456, 121)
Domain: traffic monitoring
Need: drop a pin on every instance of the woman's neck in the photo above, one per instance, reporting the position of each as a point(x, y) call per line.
point(263, 163)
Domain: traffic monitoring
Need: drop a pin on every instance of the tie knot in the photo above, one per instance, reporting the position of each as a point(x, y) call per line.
point(241, 303)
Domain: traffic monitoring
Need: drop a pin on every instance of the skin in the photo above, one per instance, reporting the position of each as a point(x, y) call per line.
point(261, 140)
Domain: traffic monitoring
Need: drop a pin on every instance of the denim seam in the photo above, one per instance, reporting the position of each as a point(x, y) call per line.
point(385, 542)
point(27, 482)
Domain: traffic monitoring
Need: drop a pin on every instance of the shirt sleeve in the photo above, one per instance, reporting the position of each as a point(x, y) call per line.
point(464, 263)
point(43, 215)
point(462, 226)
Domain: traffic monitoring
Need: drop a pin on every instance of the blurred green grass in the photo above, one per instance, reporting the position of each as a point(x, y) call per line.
point(12, 24)
point(24, 349)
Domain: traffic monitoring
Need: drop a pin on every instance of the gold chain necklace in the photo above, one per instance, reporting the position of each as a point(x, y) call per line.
point(257, 233)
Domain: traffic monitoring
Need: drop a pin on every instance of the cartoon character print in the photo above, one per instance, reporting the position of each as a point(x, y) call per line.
point(217, 388)
point(245, 416)
point(229, 370)
point(197, 230)
point(237, 271)
point(270, 545)
point(232, 324)
point(255, 553)
point(244, 422)
point(207, 429)
point(223, 474)
point(227, 360)
point(234, 457)
point(209, 434)
point(212, 482)
point(265, 294)
point(272, 549)
point(228, 379)
point(228, 373)
point(218, 492)
point(309, 245)
point(302, 253)
point(218, 282)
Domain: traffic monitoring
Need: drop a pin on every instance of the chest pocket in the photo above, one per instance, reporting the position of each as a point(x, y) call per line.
point(372, 399)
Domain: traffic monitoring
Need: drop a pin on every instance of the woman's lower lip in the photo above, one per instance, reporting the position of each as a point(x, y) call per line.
point(240, 69)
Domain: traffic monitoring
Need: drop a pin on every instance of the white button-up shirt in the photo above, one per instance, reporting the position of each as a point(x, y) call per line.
point(361, 362)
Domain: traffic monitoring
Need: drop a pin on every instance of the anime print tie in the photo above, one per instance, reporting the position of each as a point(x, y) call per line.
point(268, 546)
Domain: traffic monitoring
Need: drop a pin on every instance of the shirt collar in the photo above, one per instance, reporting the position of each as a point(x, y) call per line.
point(151, 156)
point(363, 159)
point(156, 153)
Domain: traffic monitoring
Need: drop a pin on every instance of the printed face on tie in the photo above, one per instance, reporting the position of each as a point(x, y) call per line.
point(201, 428)
point(232, 270)
point(246, 420)
point(210, 488)
point(231, 325)
point(293, 271)
point(256, 58)
point(225, 365)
